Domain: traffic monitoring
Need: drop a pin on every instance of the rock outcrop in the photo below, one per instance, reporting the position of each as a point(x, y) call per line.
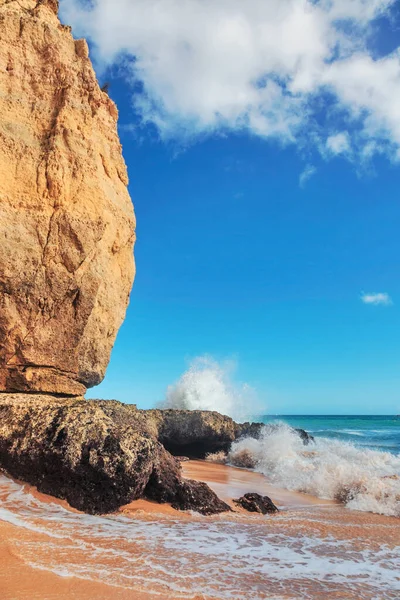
point(66, 218)
point(196, 433)
point(101, 454)
point(97, 455)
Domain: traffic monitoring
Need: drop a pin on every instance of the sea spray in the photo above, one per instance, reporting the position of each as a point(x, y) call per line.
point(209, 385)
point(361, 478)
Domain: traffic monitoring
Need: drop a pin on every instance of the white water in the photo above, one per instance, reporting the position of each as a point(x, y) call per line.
point(209, 385)
point(225, 557)
point(363, 479)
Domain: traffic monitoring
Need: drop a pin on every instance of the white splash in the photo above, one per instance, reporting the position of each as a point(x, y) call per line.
point(209, 385)
point(363, 479)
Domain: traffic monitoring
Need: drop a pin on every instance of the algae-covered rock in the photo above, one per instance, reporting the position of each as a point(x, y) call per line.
point(97, 455)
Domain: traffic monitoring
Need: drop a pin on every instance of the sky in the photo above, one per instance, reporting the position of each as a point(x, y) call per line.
point(262, 140)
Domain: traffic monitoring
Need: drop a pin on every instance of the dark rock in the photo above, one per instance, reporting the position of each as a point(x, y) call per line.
point(194, 433)
point(254, 430)
point(305, 436)
point(257, 503)
point(197, 496)
point(96, 455)
point(166, 485)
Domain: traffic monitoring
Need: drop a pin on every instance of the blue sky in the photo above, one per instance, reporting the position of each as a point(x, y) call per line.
point(262, 226)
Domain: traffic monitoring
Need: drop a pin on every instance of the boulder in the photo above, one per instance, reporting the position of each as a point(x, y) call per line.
point(96, 455)
point(66, 218)
point(194, 433)
point(257, 503)
point(166, 485)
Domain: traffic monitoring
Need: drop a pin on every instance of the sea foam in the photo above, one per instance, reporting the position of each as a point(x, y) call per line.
point(363, 479)
point(226, 557)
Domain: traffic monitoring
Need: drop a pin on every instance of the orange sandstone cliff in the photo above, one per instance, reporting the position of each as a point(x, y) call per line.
point(66, 218)
point(66, 271)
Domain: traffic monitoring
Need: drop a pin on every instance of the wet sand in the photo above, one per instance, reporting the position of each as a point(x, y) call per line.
point(231, 483)
point(311, 549)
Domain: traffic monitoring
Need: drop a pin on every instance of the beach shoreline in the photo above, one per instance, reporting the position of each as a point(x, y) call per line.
point(300, 515)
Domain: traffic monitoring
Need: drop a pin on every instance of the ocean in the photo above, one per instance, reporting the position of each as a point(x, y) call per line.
point(375, 432)
point(354, 459)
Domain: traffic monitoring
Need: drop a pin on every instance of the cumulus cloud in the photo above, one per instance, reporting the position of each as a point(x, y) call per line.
point(262, 66)
point(308, 172)
point(338, 143)
point(377, 299)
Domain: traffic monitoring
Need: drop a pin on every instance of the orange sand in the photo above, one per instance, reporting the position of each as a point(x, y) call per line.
point(305, 514)
point(232, 482)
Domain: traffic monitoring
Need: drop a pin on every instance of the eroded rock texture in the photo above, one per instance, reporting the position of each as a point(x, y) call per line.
point(97, 455)
point(66, 219)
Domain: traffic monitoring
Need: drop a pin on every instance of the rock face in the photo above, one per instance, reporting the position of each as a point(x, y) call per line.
point(194, 433)
point(97, 455)
point(66, 218)
point(257, 503)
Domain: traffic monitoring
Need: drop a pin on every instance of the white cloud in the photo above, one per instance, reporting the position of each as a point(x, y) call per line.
point(254, 65)
point(308, 172)
point(338, 143)
point(380, 299)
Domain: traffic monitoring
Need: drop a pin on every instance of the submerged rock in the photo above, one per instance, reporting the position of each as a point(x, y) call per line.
point(66, 218)
point(257, 503)
point(96, 455)
point(305, 436)
point(255, 430)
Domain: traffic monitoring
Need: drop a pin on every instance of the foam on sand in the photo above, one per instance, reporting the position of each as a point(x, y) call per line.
point(293, 555)
point(363, 479)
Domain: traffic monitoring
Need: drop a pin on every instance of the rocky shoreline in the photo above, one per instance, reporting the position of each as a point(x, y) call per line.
point(100, 455)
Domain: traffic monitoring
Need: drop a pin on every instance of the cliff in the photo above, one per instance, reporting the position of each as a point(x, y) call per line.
point(66, 218)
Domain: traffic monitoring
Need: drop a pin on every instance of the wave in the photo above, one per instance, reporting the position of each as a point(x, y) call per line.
point(361, 478)
point(229, 558)
point(209, 385)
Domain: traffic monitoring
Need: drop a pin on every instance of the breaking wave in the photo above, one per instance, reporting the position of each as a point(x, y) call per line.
point(209, 385)
point(361, 478)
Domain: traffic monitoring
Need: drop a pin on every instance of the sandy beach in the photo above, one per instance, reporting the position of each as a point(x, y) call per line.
point(51, 552)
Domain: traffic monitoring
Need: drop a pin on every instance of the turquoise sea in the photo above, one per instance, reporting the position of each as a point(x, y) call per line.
point(375, 432)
